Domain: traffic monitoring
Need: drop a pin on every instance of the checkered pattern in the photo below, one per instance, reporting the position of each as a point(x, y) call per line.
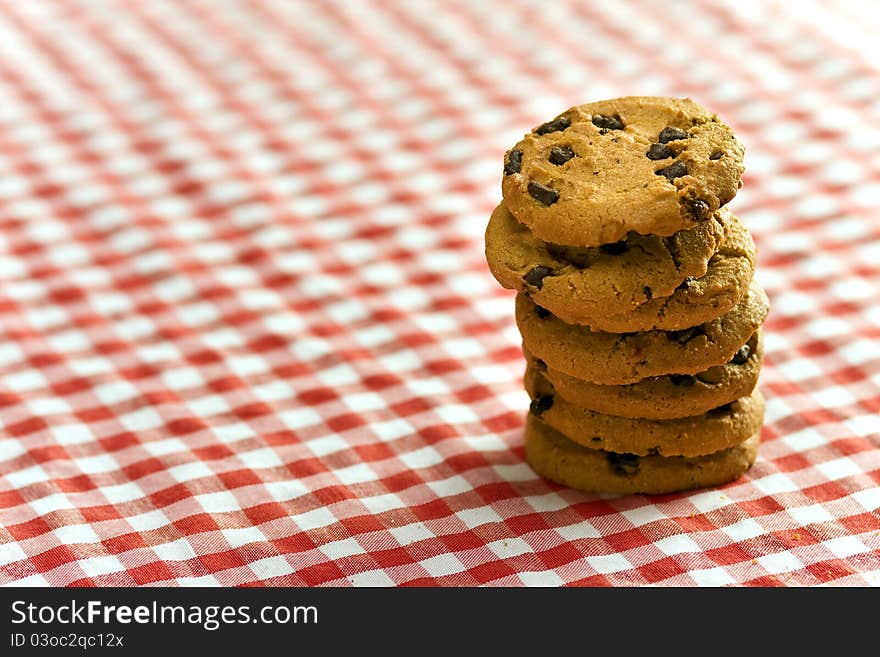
point(247, 332)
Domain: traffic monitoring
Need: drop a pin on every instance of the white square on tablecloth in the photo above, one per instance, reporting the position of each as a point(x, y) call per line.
point(392, 429)
point(547, 502)
point(274, 391)
point(373, 578)
point(72, 434)
point(643, 515)
point(96, 464)
point(379, 503)
point(456, 414)
point(421, 458)
point(11, 449)
point(181, 378)
point(712, 577)
point(219, 502)
point(743, 530)
point(102, 565)
point(781, 562)
point(166, 446)
point(25, 380)
point(542, 579)
point(355, 474)
point(35, 580)
point(338, 375)
point(271, 567)
point(208, 405)
point(233, 432)
point(411, 533)
point(285, 489)
point(189, 471)
point(284, 322)
point(141, 419)
point(177, 550)
point(454, 485)
point(247, 365)
point(708, 501)
point(195, 582)
point(512, 546)
point(677, 544)
point(442, 565)
point(846, 546)
point(869, 498)
point(314, 519)
point(839, 468)
point(115, 392)
point(144, 522)
point(343, 548)
point(10, 553)
point(238, 536)
point(299, 418)
point(578, 530)
point(807, 515)
point(775, 483)
point(257, 459)
point(609, 563)
point(479, 516)
point(71, 534)
point(26, 476)
point(364, 401)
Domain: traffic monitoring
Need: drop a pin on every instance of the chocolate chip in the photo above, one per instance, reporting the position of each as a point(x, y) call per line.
point(624, 465)
point(686, 335)
point(540, 365)
point(653, 451)
point(712, 377)
point(684, 380)
point(542, 312)
point(544, 195)
point(596, 439)
point(698, 209)
point(615, 248)
point(540, 404)
point(561, 154)
point(536, 276)
point(684, 284)
point(742, 356)
point(649, 293)
point(659, 152)
point(556, 125)
point(721, 410)
point(514, 162)
point(671, 134)
point(716, 155)
point(607, 122)
point(673, 171)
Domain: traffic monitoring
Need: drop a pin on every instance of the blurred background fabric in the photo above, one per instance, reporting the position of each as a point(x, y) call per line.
point(247, 331)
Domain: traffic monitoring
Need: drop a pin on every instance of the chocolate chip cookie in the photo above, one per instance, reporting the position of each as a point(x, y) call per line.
point(606, 287)
point(623, 358)
point(696, 435)
point(665, 397)
point(598, 171)
point(553, 456)
point(696, 300)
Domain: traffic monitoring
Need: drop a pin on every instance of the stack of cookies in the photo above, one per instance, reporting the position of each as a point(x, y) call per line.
point(637, 306)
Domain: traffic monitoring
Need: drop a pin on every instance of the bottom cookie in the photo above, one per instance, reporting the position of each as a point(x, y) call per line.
point(554, 457)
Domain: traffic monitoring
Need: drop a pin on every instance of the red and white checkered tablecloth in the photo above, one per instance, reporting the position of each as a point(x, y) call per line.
point(247, 332)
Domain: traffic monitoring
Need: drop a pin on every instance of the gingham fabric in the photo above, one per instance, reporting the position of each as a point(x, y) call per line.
point(247, 331)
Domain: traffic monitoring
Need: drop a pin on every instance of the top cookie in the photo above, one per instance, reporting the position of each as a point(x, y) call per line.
point(648, 164)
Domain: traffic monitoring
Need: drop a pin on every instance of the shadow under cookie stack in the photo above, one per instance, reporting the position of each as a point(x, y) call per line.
point(637, 306)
